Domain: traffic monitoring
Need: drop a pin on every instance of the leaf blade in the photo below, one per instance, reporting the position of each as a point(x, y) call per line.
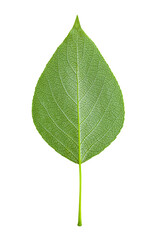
point(80, 93)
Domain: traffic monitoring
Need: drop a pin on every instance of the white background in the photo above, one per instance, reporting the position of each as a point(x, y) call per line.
point(39, 187)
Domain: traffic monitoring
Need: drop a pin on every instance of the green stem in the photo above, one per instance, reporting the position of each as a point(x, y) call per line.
point(80, 184)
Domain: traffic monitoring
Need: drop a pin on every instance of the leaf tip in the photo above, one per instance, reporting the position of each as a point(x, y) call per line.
point(77, 23)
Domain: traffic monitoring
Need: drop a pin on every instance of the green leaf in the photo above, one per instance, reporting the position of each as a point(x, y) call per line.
point(78, 106)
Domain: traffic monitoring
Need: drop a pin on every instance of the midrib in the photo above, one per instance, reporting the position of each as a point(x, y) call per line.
point(78, 113)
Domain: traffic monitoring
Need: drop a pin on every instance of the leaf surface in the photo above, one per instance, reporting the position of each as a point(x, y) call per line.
point(78, 106)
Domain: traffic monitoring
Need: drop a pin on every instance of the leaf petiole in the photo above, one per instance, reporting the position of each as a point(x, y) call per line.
point(80, 189)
